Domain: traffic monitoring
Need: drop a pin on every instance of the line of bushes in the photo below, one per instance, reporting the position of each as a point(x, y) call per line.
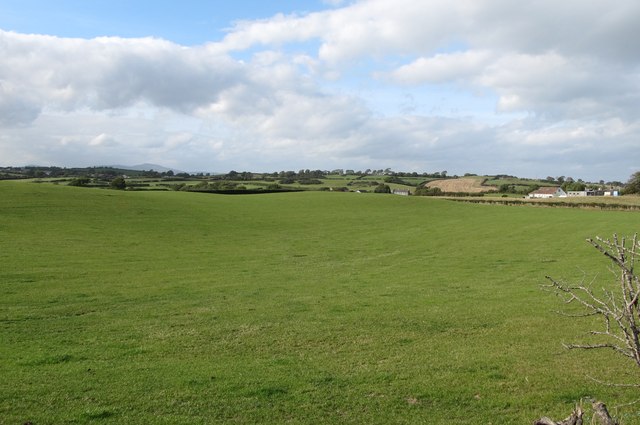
point(561, 204)
point(245, 191)
point(436, 191)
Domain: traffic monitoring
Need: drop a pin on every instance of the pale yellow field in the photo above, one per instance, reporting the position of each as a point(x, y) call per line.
point(464, 184)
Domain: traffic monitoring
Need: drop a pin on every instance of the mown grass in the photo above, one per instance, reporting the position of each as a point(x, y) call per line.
point(174, 307)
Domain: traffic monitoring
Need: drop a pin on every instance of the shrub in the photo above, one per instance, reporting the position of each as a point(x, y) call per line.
point(79, 181)
point(382, 188)
point(118, 183)
point(428, 191)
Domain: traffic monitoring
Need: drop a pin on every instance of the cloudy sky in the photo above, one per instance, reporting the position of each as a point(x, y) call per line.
point(531, 87)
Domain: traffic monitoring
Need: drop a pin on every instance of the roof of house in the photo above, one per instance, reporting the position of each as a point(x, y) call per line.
point(548, 190)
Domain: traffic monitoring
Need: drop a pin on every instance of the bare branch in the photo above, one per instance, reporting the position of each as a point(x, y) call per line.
point(601, 414)
point(595, 346)
point(574, 419)
point(608, 334)
point(620, 311)
point(626, 404)
point(609, 384)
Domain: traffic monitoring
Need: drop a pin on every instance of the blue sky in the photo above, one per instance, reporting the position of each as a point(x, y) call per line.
point(184, 22)
point(531, 88)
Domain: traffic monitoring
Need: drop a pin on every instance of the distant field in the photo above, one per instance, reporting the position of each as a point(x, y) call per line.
point(519, 182)
point(577, 201)
point(463, 184)
point(122, 307)
point(328, 182)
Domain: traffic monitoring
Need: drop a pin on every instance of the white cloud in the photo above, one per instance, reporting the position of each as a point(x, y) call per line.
point(540, 57)
point(310, 91)
point(441, 68)
point(367, 27)
point(110, 73)
point(103, 140)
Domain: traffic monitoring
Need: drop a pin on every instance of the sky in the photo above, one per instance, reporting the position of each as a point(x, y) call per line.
point(532, 88)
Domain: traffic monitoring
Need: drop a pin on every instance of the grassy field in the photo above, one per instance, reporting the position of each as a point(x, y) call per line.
point(302, 308)
point(518, 182)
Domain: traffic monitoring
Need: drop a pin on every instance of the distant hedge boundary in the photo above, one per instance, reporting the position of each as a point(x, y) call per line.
point(245, 191)
point(557, 204)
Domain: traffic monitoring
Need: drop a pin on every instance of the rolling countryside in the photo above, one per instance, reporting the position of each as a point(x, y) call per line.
point(308, 307)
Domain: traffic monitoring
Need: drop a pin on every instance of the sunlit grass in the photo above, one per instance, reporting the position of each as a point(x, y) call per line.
point(174, 307)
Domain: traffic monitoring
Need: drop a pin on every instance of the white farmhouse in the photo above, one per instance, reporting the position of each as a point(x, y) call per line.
point(548, 192)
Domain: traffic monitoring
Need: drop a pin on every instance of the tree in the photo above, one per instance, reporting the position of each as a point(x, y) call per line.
point(428, 191)
point(573, 186)
point(80, 181)
point(118, 183)
point(618, 307)
point(633, 185)
point(600, 416)
point(382, 188)
point(505, 188)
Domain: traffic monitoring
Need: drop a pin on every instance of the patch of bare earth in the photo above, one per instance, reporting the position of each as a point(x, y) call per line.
point(464, 184)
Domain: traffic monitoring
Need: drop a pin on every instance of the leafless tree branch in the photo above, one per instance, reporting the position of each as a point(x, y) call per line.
point(609, 384)
point(619, 309)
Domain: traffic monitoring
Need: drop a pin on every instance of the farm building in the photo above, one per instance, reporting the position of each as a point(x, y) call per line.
point(548, 192)
point(593, 192)
point(404, 192)
point(602, 192)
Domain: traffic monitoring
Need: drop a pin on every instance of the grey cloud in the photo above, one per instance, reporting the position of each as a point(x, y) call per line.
point(597, 28)
point(109, 73)
point(17, 112)
point(378, 27)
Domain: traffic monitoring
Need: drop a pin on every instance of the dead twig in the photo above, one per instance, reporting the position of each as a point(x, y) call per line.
point(619, 309)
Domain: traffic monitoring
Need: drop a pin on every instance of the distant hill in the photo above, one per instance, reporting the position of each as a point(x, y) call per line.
point(145, 167)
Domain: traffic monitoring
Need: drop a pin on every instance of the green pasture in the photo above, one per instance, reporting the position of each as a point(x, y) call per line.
point(518, 182)
point(121, 307)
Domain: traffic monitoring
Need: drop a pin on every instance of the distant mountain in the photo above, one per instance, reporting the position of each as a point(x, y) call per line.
point(145, 167)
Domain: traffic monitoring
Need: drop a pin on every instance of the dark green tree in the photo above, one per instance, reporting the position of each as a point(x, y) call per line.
point(382, 188)
point(505, 188)
point(428, 191)
point(573, 186)
point(79, 181)
point(118, 183)
point(633, 185)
